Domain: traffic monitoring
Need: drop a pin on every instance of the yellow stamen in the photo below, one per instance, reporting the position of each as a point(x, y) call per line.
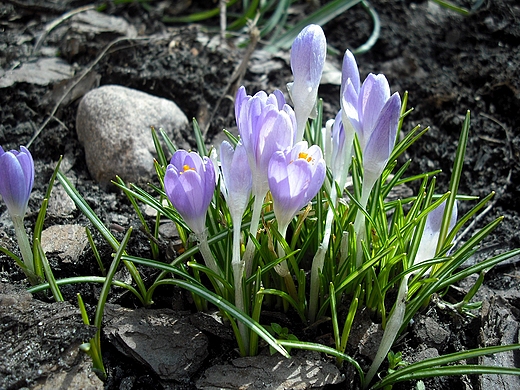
point(187, 168)
point(305, 156)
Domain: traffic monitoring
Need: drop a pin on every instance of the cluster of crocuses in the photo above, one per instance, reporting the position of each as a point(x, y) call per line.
point(271, 154)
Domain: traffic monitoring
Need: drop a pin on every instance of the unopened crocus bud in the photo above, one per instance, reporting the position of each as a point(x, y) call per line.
point(266, 124)
point(16, 180)
point(374, 115)
point(295, 177)
point(308, 54)
point(431, 232)
point(237, 179)
point(349, 71)
point(189, 183)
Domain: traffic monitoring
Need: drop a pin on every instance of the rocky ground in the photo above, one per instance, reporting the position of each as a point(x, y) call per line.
point(447, 62)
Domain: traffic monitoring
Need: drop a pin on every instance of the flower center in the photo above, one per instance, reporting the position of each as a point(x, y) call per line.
point(305, 156)
point(186, 168)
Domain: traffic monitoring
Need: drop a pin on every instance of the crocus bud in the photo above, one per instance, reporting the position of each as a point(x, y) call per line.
point(349, 71)
point(189, 183)
point(308, 54)
point(381, 142)
point(16, 180)
point(237, 179)
point(431, 232)
point(266, 124)
point(295, 177)
point(373, 114)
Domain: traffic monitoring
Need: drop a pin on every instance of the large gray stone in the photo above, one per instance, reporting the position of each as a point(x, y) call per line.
point(303, 371)
point(162, 339)
point(113, 124)
point(39, 344)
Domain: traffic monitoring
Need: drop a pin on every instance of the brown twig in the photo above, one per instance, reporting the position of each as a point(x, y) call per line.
point(55, 23)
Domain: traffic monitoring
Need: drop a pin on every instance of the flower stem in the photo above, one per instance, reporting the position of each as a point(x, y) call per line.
point(282, 268)
point(253, 227)
point(394, 323)
point(238, 274)
point(319, 259)
point(24, 245)
point(207, 255)
point(359, 223)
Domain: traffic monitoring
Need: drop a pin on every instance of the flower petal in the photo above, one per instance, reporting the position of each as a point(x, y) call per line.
point(373, 96)
point(382, 140)
point(349, 71)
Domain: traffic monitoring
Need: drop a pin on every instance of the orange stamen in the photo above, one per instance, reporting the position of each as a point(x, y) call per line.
point(187, 168)
point(305, 156)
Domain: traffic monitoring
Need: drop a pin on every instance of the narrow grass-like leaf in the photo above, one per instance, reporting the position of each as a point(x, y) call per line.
point(95, 251)
point(455, 180)
point(98, 224)
point(161, 157)
point(49, 276)
point(447, 359)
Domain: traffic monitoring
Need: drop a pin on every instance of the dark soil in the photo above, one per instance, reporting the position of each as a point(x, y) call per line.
point(448, 63)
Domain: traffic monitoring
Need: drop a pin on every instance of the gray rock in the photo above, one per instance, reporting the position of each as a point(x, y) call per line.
point(60, 203)
point(431, 332)
point(45, 71)
point(499, 327)
point(39, 339)
point(113, 124)
point(67, 241)
point(303, 371)
point(162, 339)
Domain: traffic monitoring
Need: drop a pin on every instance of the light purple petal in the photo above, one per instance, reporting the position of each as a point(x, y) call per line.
point(189, 183)
point(237, 178)
point(349, 71)
point(16, 179)
point(373, 96)
point(240, 98)
point(276, 135)
point(295, 177)
point(287, 182)
point(382, 140)
point(431, 232)
point(349, 108)
point(308, 55)
point(27, 163)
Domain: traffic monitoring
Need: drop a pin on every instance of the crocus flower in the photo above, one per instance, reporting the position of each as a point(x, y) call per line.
point(307, 60)
point(431, 232)
point(266, 124)
point(189, 183)
point(236, 179)
point(16, 179)
point(373, 114)
point(295, 177)
point(16, 182)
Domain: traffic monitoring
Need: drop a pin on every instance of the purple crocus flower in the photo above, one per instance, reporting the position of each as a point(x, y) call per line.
point(431, 232)
point(236, 179)
point(266, 124)
point(295, 177)
point(308, 54)
point(189, 183)
point(373, 114)
point(16, 180)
